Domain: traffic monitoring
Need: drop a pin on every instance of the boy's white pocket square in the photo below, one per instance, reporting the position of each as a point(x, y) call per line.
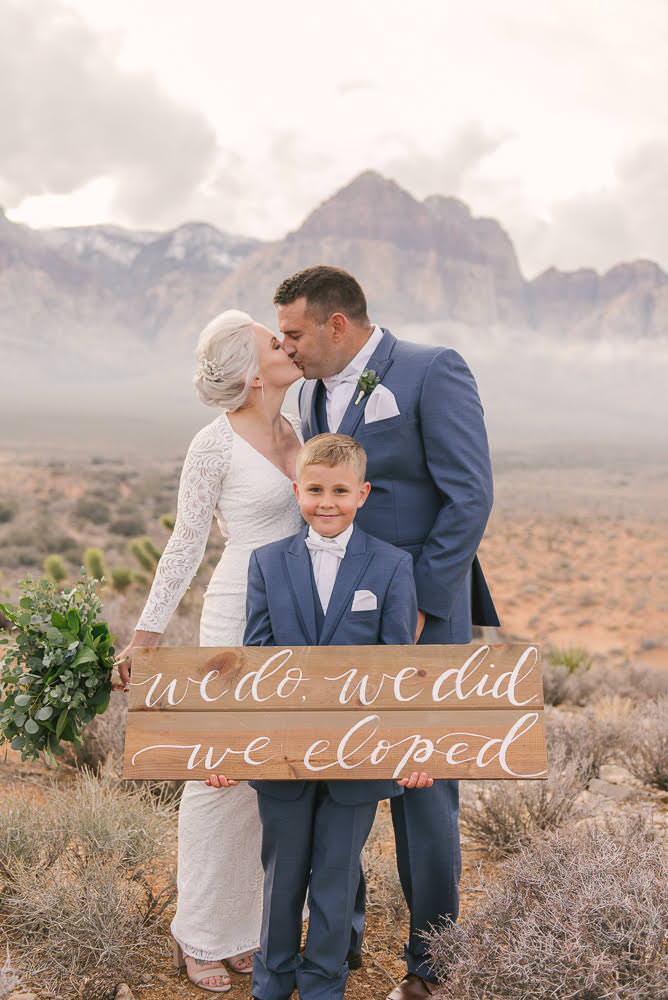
point(381, 405)
point(364, 600)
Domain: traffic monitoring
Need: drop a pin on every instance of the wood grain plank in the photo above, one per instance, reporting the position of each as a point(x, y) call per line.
point(507, 743)
point(248, 679)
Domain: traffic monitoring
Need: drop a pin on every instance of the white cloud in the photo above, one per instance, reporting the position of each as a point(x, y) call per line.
point(71, 116)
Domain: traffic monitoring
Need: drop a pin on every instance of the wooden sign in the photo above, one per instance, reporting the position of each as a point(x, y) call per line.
point(336, 712)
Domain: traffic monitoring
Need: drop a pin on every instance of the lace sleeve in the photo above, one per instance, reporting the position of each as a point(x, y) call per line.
point(203, 472)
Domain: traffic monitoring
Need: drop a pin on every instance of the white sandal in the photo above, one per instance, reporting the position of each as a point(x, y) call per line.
point(197, 976)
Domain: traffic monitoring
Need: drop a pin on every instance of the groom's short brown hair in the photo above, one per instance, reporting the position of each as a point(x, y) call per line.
point(327, 290)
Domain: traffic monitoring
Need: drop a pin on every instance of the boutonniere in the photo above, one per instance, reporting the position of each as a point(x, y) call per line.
point(366, 383)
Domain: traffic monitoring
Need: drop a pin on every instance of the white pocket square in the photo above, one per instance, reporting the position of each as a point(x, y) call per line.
point(364, 600)
point(380, 406)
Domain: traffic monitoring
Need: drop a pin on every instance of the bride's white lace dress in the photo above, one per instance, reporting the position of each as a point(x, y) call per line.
point(219, 871)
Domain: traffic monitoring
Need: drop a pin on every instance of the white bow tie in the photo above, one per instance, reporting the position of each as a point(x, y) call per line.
point(335, 547)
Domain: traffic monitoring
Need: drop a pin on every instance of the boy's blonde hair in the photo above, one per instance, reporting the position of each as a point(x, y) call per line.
point(332, 450)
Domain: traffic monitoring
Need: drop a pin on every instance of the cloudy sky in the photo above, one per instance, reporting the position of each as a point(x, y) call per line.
point(550, 116)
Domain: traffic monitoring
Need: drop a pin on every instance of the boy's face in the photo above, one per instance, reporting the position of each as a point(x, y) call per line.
point(329, 497)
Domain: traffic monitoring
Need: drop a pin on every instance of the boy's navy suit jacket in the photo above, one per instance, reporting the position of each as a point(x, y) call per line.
point(430, 474)
point(281, 611)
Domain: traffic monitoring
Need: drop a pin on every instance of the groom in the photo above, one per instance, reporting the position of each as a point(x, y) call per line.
point(418, 416)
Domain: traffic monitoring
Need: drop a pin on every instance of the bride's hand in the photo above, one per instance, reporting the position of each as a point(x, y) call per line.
point(122, 659)
point(220, 781)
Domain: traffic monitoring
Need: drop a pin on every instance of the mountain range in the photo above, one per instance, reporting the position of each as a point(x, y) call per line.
point(107, 296)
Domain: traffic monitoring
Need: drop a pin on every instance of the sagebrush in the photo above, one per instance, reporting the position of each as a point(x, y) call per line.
point(580, 914)
point(78, 874)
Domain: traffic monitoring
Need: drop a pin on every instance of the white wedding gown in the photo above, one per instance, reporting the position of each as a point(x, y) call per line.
point(219, 870)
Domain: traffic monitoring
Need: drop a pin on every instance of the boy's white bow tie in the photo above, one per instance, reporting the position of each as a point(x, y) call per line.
point(335, 546)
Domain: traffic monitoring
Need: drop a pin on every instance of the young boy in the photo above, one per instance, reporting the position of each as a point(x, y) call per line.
point(331, 584)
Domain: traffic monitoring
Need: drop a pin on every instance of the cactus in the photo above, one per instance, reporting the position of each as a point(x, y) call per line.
point(168, 521)
point(94, 563)
point(54, 569)
point(151, 551)
point(121, 578)
point(142, 557)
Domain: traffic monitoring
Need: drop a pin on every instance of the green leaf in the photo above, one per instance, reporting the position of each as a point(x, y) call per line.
point(85, 656)
point(32, 727)
point(25, 602)
point(22, 700)
point(62, 722)
point(60, 621)
point(44, 713)
point(73, 620)
point(24, 619)
point(103, 705)
point(100, 696)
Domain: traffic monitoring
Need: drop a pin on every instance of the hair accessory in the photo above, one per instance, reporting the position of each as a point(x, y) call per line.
point(211, 370)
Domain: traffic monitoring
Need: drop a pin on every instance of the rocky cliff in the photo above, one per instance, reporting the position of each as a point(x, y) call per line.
point(108, 297)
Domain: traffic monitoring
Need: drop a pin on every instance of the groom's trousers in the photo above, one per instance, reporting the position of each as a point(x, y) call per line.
point(426, 833)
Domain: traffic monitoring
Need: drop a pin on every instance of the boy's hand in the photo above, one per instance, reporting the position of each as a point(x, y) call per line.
point(416, 780)
point(220, 781)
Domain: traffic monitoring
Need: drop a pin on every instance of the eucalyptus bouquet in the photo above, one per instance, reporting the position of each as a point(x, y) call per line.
point(56, 674)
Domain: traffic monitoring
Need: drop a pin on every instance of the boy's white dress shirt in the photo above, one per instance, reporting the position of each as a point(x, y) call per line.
point(326, 556)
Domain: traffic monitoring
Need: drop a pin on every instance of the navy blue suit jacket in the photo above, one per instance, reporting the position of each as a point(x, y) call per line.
point(281, 611)
point(431, 478)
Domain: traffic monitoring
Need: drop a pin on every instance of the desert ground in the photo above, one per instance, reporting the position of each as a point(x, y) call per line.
point(575, 554)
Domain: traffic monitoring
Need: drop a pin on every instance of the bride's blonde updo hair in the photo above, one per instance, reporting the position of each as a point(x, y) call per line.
point(227, 359)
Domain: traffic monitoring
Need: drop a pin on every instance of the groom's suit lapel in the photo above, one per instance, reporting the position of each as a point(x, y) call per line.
point(380, 361)
point(350, 572)
point(308, 408)
point(298, 571)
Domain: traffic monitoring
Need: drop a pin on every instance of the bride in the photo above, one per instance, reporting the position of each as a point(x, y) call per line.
point(239, 468)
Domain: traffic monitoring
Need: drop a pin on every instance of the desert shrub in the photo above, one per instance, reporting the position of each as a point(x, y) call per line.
point(167, 521)
point(555, 683)
point(587, 738)
point(571, 657)
point(27, 557)
point(121, 578)
point(9, 981)
point(585, 687)
point(645, 751)
point(578, 915)
point(94, 563)
point(128, 525)
point(501, 816)
point(28, 836)
point(65, 546)
point(92, 906)
point(8, 509)
point(55, 569)
point(90, 508)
